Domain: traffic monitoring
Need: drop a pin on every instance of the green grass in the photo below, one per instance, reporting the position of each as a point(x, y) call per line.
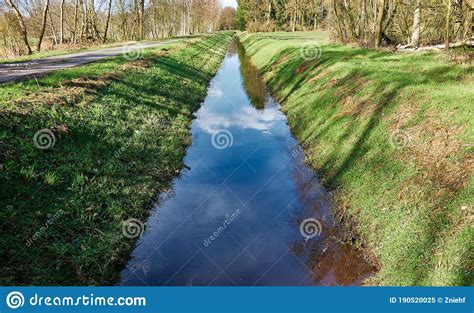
point(346, 108)
point(121, 132)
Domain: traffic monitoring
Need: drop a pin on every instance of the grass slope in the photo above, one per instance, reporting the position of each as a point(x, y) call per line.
point(392, 135)
point(121, 131)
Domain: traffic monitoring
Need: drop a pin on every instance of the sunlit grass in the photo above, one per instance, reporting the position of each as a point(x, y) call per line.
point(347, 108)
point(121, 131)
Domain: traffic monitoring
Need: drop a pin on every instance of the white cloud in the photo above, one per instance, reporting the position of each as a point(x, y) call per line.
point(246, 118)
point(215, 92)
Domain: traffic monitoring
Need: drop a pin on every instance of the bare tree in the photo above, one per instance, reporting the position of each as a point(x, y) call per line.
point(76, 12)
point(363, 19)
point(378, 23)
point(468, 23)
point(52, 30)
point(43, 25)
point(107, 21)
point(74, 21)
point(415, 37)
point(21, 22)
point(90, 28)
point(447, 30)
point(142, 19)
point(61, 38)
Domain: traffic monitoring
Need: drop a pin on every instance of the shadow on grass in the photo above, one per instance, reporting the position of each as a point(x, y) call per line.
point(113, 153)
point(314, 92)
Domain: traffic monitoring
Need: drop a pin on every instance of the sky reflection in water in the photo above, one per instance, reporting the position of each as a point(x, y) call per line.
point(253, 194)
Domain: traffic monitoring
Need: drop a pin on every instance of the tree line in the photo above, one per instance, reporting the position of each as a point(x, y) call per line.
point(28, 25)
point(411, 23)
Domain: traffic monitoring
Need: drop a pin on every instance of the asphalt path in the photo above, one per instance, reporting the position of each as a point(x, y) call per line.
point(13, 72)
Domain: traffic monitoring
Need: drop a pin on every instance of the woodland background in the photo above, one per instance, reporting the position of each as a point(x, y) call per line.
point(367, 22)
point(32, 25)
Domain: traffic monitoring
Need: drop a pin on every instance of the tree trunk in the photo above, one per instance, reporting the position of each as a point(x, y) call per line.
point(142, 19)
point(61, 38)
point(338, 21)
point(378, 24)
point(269, 16)
point(136, 19)
point(363, 20)
point(448, 16)
point(85, 10)
point(21, 22)
point(468, 28)
point(350, 19)
point(315, 15)
point(107, 22)
point(415, 36)
point(43, 25)
point(76, 10)
point(53, 31)
point(90, 28)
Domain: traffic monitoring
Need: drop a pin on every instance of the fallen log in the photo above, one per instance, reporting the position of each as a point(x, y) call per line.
point(409, 47)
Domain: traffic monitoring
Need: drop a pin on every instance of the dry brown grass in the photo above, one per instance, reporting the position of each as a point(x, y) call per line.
point(74, 91)
point(435, 146)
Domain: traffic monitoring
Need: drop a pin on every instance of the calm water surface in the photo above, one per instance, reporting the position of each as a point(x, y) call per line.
point(234, 218)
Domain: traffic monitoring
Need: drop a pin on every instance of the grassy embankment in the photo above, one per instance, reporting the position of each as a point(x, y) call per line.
point(121, 129)
point(392, 135)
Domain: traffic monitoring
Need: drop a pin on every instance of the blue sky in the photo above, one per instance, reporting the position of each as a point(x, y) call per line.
point(229, 3)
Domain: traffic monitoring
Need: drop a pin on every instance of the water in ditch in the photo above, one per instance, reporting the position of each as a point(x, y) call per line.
point(248, 211)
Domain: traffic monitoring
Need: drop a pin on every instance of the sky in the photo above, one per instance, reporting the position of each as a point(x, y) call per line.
point(229, 3)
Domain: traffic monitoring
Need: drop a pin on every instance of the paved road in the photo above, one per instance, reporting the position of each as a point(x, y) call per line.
point(12, 72)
